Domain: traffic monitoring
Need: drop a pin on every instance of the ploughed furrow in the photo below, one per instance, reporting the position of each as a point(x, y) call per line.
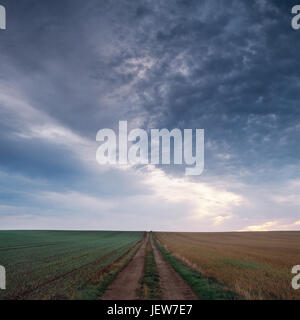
point(24, 294)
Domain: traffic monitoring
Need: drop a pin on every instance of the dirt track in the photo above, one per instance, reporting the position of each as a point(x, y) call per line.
point(172, 285)
point(125, 286)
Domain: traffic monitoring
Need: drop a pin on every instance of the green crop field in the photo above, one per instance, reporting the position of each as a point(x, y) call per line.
point(58, 264)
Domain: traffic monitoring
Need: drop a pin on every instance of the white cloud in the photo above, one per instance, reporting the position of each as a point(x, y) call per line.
point(211, 203)
point(36, 124)
point(273, 226)
point(203, 199)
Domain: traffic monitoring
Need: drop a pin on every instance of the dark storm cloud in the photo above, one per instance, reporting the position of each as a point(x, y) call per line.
point(215, 65)
point(230, 67)
point(240, 83)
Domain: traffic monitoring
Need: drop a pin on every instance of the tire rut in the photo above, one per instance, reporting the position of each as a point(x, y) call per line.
point(127, 282)
point(172, 285)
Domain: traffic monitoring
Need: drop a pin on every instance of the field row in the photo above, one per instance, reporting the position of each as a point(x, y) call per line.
point(254, 265)
point(58, 264)
point(81, 265)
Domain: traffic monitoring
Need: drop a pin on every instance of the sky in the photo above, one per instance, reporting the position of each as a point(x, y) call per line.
point(69, 68)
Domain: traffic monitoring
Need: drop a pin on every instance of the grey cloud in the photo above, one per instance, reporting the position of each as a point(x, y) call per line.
point(230, 67)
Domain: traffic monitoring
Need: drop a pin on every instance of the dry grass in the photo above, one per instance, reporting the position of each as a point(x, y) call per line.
point(256, 265)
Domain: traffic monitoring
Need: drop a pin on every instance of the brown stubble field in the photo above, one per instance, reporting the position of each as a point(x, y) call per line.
point(256, 265)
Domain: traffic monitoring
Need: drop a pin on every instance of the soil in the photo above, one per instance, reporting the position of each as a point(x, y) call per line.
point(172, 285)
point(126, 284)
